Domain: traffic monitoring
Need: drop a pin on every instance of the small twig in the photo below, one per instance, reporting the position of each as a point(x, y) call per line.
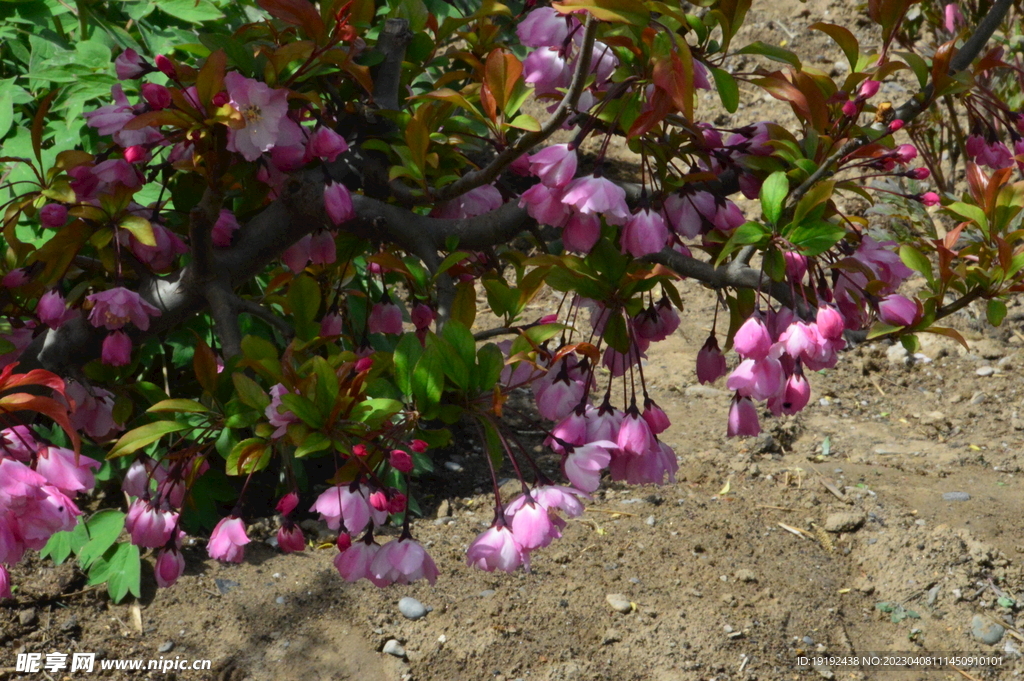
point(590, 509)
point(257, 310)
point(777, 508)
point(965, 674)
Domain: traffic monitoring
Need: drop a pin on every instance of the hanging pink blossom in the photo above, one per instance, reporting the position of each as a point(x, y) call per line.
point(598, 195)
point(554, 165)
point(228, 540)
point(170, 566)
point(403, 561)
point(262, 108)
point(224, 229)
point(117, 306)
point(117, 349)
point(495, 549)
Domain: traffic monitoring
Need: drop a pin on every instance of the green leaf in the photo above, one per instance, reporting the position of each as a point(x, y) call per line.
point(304, 301)
point(631, 12)
point(773, 193)
point(140, 229)
point(249, 392)
point(121, 569)
point(191, 11)
point(179, 405)
point(537, 334)
point(6, 111)
point(63, 544)
point(304, 408)
point(615, 333)
point(490, 362)
point(428, 380)
point(248, 456)
point(406, 355)
point(139, 437)
point(911, 343)
point(816, 236)
point(772, 52)
point(996, 312)
point(103, 528)
point(745, 234)
point(728, 90)
point(971, 212)
point(916, 260)
point(376, 411)
point(461, 340)
point(525, 122)
point(314, 442)
point(847, 41)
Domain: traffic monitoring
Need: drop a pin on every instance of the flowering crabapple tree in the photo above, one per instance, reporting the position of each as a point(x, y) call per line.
point(255, 240)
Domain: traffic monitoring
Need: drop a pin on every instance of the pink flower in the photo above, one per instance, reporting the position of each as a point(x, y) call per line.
point(644, 233)
point(544, 204)
point(554, 165)
point(93, 412)
point(353, 563)
point(15, 278)
point(322, 249)
point(604, 422)
point(385, 317)
point(59, 467)
point(868, 89)
point(830, 323)
point(710, 361)
point(325, 144)
point(953, 17)
point(593, 195)
point(495, 549)
point(544, 27)
point(545, 69)
point(342, 502)
point(905, 153)
point(130, 65)
point(931, 198)
point(583, 464)
point(796, 265)
point(262, 108)
point(559, 398)
point(170, 566)
point(752, 340)
point(19, 443)
point(421, 316)
point(116, 307)
point(157, 96)
point(5, 583)
point(798, 394)
point(330, 325)
point(53, 215)
point(224, 229)
point(296, 256)
point(397, 503)
point(149, 526)
point(570, 430)
point(228, 540)
point(161, 256)
point(532, 526)
point(801, 339)
point(278, 418)
point(743, 418)
point(897, 310)
point(634, 436)
point(403, 561)
point(649, 469)
point(117, 349)
point(581, 233)
point(400, 461)
point(338, 203)
point(290, 539)
point(111, 118)
point(52, 310)
point(136, 480)
point(760, 379)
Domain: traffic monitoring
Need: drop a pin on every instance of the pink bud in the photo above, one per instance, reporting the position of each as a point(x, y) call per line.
point(157, 96)
point(919, 174)
point(895, 125)
point(344, 541)
point(290, 539)
point(897, 310)
point(379, 501)
point(419, 446)
point(166, 66)
point(53, 215)
point(117, 349)
point(363, 364)
point(397, 503)
point(170, 566)
point(929, 199)
point(135, 154)
point(129, 65)
point(796, 265)
point(710, 361)
point(743, 418)
point(849, 109)
point(287, 503)
point(905, 153)
point(798, 393)
point(400, 461)
point(51, 309)
point(338, 203)
point(359, 450)
point(868, 89)
point(655, 417)
point(326, 144)
point(830, 323)
point(385, 317)
point(421, 316)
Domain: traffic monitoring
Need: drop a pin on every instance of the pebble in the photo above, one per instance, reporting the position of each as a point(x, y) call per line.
point(651, 520)
point(27, 617)
point(979, 398)
point(844, 522)
point(444, 509)
point(956, 496)
point(453, 467)
point(703, 391)
point(619, 603)
point(70, 623)
point(411, 608)
point(986, 631)
point(393, 647)
point(985, 371)
point(280, 600)
point(933, 595)
point(166, 647)
point(224, 586)
point(486, 593)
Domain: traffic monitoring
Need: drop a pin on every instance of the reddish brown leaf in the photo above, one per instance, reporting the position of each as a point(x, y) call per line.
point(299, 13)
point(211, 77)
point(44, 405)
point(502, 71)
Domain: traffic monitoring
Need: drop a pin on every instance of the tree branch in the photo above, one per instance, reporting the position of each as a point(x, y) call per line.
point(202, 218)
point(387, 81)
point(225, 316)
point(527, 141)
point(257, 310)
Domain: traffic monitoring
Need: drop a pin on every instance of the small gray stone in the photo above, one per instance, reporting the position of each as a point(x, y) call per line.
point(985, 371)
point(651, 520)
point(224, 586)
point(411, 608)
point(70, 624)
point(453, 467)
point(956, 496)
point(165, 647)
point(393, 647)
point(280, 600)
point(933, 595)
point(619, 603)
point(986, 631)
point(897, 354)
point(933, 418)
point(844, 522)
point(486, 593)
point(979, 397)
point(28, 617)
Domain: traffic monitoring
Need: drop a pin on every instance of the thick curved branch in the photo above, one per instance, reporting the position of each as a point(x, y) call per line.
point(257, 310)
point(225, 317)
point(490, 172)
